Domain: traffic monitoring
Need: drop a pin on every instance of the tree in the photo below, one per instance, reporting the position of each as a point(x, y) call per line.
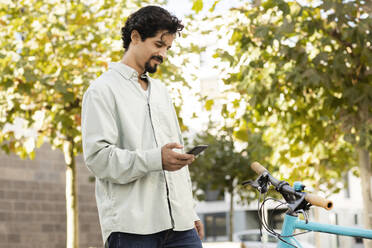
point(307, 70)
point(222, 167)
point(49, 53)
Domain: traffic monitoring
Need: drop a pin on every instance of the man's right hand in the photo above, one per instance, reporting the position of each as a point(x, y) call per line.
point(172, 160)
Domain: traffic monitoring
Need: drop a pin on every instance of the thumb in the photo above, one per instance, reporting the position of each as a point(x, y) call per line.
point(173, 145)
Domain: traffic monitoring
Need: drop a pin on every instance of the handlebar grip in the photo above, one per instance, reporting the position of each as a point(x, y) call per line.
point(319, 201)
point(258, 168)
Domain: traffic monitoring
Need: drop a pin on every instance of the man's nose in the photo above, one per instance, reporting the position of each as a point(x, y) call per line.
point(163, 53)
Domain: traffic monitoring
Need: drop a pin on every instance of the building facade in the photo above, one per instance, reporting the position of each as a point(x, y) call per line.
point(32, 202)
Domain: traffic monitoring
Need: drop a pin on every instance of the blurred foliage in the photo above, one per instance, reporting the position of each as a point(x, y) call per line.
point(50, 52)
point(223, 166)
point(306, 71)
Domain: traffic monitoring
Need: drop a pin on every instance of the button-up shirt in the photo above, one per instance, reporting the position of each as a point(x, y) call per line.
point(123, 131)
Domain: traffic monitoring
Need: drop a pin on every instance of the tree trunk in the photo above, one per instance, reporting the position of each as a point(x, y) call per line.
point(231, 216)
point(316, 234)
point(316, 214)
point(366, 176)
point(72, 223)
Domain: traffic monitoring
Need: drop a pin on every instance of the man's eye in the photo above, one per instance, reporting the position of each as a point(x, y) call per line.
point(158, 45)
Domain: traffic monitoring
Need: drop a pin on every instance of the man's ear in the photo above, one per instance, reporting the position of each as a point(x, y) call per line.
point(135, 37)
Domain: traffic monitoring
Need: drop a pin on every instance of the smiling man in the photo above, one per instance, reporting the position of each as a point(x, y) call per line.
point(130, 128)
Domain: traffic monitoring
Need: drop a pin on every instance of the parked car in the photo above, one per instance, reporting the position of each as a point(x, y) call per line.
point(252, 239)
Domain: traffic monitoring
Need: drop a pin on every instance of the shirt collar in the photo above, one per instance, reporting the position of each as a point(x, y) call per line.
point(126, 71)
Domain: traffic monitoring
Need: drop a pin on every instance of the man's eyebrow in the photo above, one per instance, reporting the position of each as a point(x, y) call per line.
point(163, 43)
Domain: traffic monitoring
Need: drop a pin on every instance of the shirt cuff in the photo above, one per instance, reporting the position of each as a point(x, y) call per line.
point(154, 160)
point(196, 217)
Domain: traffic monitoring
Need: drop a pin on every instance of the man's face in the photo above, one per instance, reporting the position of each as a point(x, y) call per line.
point(153, 51)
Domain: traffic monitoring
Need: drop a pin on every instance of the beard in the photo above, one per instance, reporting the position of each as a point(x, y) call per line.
point(149, 68)
point(152, 69)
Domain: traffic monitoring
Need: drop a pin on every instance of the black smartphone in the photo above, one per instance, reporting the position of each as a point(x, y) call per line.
point(197, 149)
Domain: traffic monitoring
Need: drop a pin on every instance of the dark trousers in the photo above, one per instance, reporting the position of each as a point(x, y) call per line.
point(164, 239)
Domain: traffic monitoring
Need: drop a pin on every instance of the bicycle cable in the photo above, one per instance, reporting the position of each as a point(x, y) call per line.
point(264, 223)
point(269, 229)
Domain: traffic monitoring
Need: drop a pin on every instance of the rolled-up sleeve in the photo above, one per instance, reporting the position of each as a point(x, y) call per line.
point(101, 154)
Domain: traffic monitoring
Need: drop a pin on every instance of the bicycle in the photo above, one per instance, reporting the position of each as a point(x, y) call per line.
point(298, 202)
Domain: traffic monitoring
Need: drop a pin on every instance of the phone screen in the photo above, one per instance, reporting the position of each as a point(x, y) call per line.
point(197, 149)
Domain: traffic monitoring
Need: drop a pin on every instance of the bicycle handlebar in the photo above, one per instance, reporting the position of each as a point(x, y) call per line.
point(313, 199)
point(319, 201)
point(258, 168)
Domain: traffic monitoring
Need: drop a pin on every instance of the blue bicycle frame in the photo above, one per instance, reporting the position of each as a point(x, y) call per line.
point(298, 201)
point(291, 223)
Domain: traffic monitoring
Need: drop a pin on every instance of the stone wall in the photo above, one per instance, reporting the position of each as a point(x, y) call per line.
point(32, 202)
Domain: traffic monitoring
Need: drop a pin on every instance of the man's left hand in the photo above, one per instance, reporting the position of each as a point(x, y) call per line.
point(199, 229)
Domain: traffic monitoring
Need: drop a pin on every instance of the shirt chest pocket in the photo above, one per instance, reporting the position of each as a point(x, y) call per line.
point(166, 122)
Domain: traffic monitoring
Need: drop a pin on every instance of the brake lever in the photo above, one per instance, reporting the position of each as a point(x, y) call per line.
point(261, 183)
point(297, 204)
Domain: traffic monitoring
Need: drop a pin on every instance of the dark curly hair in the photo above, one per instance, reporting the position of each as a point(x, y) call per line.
point(148, 21)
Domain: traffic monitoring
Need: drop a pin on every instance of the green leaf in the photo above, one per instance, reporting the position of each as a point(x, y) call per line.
point(269, 4)
point(242, 135)
point(296, 152)
point(68, 96)
point(283, 6)
point(39, 141)
point(32, 155)
point(236, 36)
point(197, 5)
point(214, 5)
point(208, 104)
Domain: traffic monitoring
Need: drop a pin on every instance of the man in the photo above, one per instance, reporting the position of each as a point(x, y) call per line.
point(130, 128)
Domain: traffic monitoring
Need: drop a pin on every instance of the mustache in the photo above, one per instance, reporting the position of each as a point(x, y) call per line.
point(158, 58)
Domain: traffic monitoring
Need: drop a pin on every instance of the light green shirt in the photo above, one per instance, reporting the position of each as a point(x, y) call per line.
point(123, 129)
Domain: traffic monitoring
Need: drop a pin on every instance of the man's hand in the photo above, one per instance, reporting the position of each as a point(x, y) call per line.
point(173, 161)
point(199, 229)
